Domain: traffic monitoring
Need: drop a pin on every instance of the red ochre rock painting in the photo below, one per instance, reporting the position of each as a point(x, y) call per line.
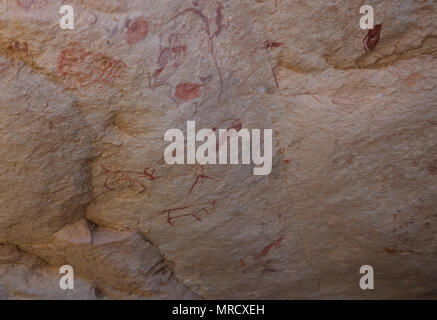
point(25, 4)
point(137, 31)
point(199, 174)
point(173, 56)
point(187, 91)
point(236, 125)
point(193, 211)
point(115, 178)
point(274, 244)
point(18, 47)
point(88, 67)
point(268, 44)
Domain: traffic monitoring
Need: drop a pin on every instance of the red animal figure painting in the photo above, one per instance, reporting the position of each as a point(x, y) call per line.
point(88, 67)
point(274, 244)
point(132, 178)
point(189, 211)
point(372, 38)
point(137, 31)
point(171, 56)
point(199, 175)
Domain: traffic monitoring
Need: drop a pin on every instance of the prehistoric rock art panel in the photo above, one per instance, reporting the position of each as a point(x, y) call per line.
point(195, 211)
point(86, 67)
point(128, 178)
point(186, 65)
point(354, 168)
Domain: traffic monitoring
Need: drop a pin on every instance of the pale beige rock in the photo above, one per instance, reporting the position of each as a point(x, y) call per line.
point(83, 114)
point(77, 232)
point(23, 276)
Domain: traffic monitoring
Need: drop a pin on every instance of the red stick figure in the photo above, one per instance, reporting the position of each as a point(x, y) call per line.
point(199, 175)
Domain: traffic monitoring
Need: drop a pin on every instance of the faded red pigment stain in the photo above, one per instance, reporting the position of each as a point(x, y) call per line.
point(432, 168)
point(236, 125)
point(276, 4)
point(396, 251)
point(172, 56)
point(88, 67)
point(25, 4)
point(274, 244)
point(413, 78)
point(268, 44)
point(219, 20)
point(137, 31)
point(17, 46)
point(242, 263)
point(187, 91)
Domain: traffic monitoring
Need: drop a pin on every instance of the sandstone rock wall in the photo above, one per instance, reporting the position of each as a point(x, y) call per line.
point(83, 182)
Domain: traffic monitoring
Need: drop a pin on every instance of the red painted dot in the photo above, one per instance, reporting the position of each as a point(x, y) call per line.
point(187, 91)
point(137, 31)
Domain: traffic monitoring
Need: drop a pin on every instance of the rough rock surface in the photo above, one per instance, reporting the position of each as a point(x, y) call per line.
point(83, 112)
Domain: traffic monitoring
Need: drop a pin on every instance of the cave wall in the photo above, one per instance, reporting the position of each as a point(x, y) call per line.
point(83, 114)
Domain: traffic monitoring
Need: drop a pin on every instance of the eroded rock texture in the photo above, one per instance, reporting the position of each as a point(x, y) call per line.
point(83, 182)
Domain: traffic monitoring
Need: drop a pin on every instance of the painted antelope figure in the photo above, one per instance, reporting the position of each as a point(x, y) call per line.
point(187, 211)
point(132, 178)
